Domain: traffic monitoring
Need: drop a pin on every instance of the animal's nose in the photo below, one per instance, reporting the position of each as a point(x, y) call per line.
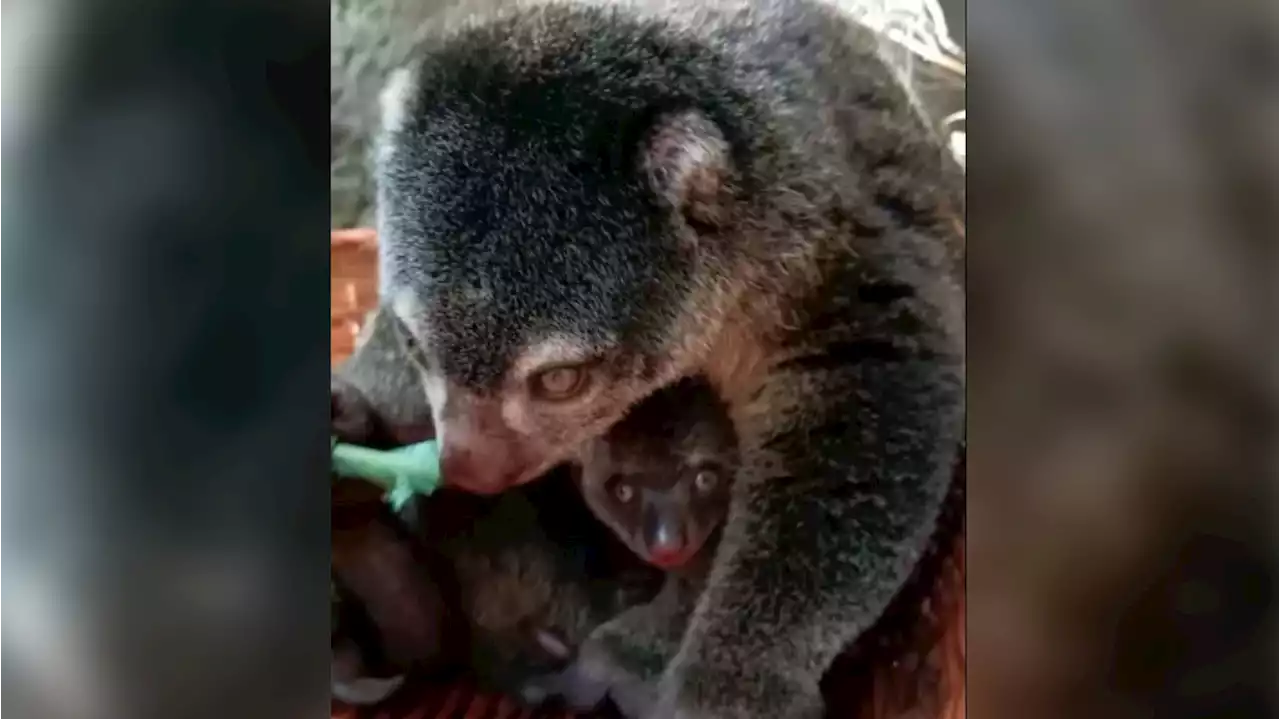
point(477, 469)
point(479, 453)
point(664, 537)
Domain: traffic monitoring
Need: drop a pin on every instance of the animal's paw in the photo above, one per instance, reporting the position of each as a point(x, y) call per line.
point(575, 686)
point(634, 698)
point(593, 674)
point(364, 691)
point(706, 693)
point(350, 680)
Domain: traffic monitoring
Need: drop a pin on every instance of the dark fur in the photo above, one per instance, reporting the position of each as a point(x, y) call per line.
point(528, 561)
point(458, 582)
point(376, 395)
point(392, 614)
point(657, 449)
point(368, 39)
point(491, 574)
point(392, 617)
point(744, 192)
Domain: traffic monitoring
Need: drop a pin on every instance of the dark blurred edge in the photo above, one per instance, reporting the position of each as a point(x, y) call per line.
point(1122, 188)
point(169, 347)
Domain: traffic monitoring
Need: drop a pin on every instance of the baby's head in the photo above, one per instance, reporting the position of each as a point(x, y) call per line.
point(661, 477)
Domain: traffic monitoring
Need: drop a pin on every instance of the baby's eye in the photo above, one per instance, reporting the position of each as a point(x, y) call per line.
point(706, 480)
point(624, 492)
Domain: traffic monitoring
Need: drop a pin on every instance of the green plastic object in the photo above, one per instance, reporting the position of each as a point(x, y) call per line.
point(402, 472)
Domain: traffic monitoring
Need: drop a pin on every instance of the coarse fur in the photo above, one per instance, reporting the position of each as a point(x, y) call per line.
point(523, 565)
point(457, 582)
point(661, 480)
point(376, 395)
point(492, 577)
point(661, 477)
point(393, 616)
point(644, 192)
point(368, 39)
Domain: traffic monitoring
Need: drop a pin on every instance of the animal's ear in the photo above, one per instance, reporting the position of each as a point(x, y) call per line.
point(687, 163)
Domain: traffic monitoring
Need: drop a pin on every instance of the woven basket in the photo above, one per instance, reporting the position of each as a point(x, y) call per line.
point(884, 692)
point(353, 272)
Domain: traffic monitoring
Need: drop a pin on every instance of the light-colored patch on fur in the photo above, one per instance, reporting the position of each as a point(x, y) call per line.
point(437, 391)
point(396, 99)
point(406, 306)
point(695, 452)
point(475, 296)
point(367, 328)
point(408, 309)
point(687, 164)
point(550, 352)
point(515, 412)
point(531, 417)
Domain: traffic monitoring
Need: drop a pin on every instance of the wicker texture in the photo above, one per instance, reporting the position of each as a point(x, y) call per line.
point(888, 689)
point(353, 271)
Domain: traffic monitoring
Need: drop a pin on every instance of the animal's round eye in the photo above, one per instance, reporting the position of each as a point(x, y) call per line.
point(560, 383)
point(706, 480)
point(623, 492)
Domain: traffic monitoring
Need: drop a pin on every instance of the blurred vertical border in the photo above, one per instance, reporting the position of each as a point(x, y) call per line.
point(1122, 181)
point(165, 541)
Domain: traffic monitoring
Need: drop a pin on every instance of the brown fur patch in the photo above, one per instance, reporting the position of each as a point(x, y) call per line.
point(506, 599)
point(733, 353)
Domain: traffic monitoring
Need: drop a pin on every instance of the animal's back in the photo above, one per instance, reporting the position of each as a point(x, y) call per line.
point(803, 63)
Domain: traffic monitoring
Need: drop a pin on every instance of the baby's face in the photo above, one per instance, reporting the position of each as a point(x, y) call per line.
point(663, 495)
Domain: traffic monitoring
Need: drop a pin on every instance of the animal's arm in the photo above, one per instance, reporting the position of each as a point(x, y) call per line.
point(842, 480)
point(625, 657)
point(643, 639)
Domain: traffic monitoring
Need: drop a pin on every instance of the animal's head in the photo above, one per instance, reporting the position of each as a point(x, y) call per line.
point(660, 478)
point(556, 217)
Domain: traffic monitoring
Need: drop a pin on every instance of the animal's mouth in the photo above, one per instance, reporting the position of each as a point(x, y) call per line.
point(673, 560)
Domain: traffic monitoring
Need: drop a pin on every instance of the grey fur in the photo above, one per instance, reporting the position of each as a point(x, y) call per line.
point(368, 39)
point(623, 659)
point(825, 299)
point(376, 395)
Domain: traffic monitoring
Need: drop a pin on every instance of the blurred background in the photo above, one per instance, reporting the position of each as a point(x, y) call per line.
point(163, 164)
